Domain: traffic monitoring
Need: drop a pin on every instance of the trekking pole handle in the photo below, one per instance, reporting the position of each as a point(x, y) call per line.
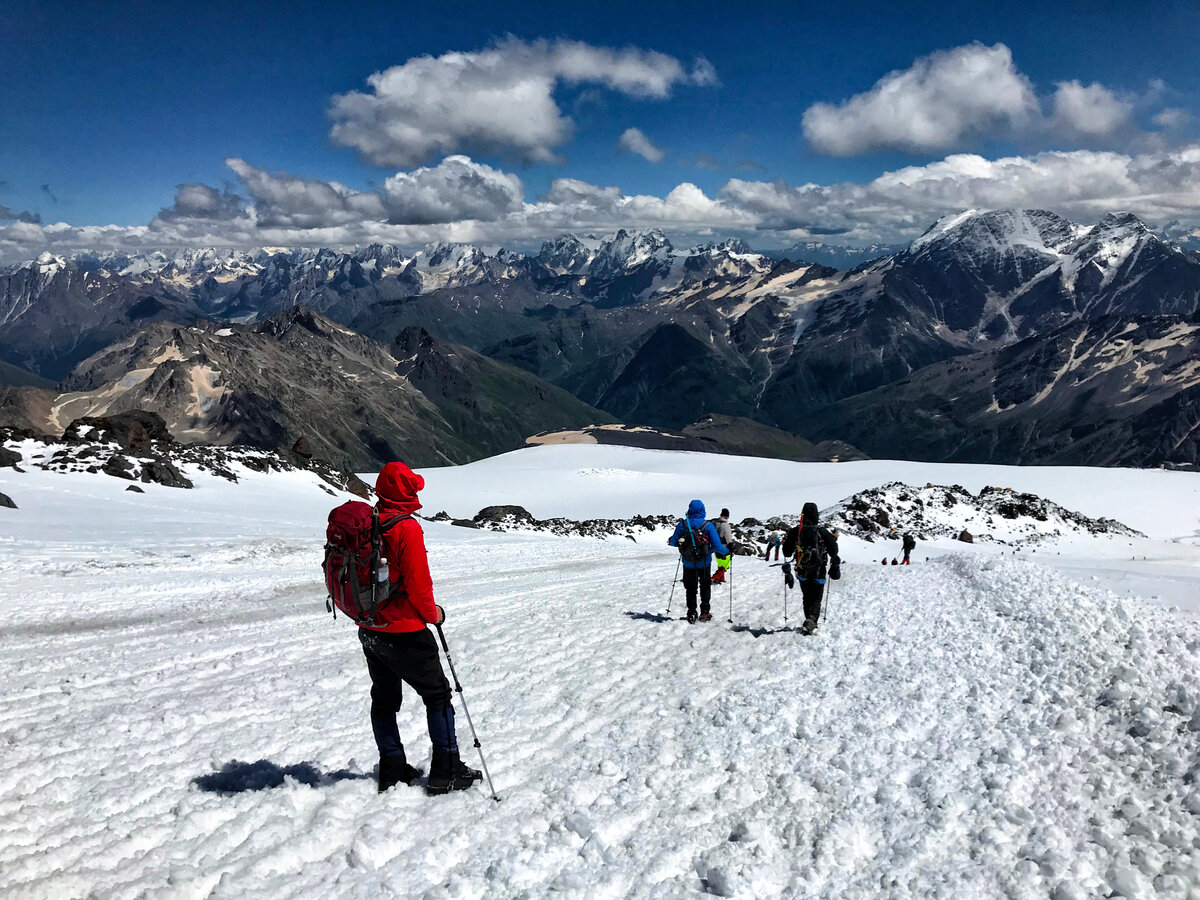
point(442, 638)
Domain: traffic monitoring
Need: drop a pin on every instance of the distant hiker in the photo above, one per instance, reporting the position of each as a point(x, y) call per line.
point(774, 541)
point(401, 649)
point(696, 539)
point(909, 546)
point(895, 561)
point(721, 523)
point(815, 552)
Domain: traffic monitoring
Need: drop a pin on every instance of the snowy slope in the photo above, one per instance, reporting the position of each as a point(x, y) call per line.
point(181, 719)
point(583, 480)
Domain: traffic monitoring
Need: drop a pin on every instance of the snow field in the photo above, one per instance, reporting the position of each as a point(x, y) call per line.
point(182, 719)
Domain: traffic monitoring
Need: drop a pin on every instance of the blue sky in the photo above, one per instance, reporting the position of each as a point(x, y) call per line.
point(108, 108)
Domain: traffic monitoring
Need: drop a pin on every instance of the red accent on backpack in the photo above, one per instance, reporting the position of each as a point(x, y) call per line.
point(353, 558)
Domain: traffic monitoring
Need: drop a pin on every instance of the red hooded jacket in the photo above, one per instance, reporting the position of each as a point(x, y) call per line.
point(404, 549)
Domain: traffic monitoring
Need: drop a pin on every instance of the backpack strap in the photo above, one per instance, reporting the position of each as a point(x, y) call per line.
point(386, 525)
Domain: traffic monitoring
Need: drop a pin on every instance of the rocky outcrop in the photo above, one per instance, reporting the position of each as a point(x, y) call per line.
point(137, 447)
point(952, 512)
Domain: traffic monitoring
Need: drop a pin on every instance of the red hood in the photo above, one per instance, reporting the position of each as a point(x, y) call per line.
point(397, 487)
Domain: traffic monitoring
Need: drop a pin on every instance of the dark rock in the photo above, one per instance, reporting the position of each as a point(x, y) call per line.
point(965, 537)
point(443, 516)
point(9, 458)
point(500, 513)
point(164, 472)
point(134, 430)
point(358, 487)
point(135, 489)
point(6, 502)
point(118, 466)
point(463, 523)
point(301, 448)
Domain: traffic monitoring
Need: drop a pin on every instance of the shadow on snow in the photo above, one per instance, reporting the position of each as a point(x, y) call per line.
point(237, 777)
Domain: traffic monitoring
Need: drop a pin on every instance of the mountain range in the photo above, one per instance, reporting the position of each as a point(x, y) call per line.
point(1001, 336)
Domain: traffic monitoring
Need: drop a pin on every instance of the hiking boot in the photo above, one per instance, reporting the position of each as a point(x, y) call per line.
point(705, 617)
point(449, 773)
point(718, 577)
point(809, 626)
point(691, 617)
point(396, 770)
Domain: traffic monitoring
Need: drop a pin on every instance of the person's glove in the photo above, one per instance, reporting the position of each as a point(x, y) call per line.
point(441, 615)
point(787, 575)
point(835, 569)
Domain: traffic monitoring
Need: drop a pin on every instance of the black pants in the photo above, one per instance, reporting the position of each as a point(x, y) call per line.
point(692, 577)
point(812, 591)
point(412, 657)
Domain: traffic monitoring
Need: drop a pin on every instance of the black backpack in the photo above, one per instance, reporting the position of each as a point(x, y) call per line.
point(909, 543)
point(810, 549)
point(693, 545)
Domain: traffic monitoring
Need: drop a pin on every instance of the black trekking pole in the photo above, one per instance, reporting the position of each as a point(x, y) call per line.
point(785, 604)
point(463, 700)
point(825, 603)
point(674, 581)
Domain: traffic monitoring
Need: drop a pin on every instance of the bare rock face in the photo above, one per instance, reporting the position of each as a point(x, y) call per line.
point(135, 489)
point(6, 502)
point(136, 446)
point(965, 537)
point(9, 458)
point(136, 430)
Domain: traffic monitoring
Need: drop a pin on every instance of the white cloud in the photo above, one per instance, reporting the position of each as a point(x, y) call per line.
point(1083, 184)
point(199, 201)
point(457, 188)
point(635, 141)
point(953, 97)
point(461, 200)
point(291, 201)
point(939, 101)
point(495, 100)
point(1172, 118)
point(1091, 111)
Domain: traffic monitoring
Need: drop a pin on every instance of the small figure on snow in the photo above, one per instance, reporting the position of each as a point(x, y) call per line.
point(696, 539)
point(401, 649)
point(815, 551)
point(774, 542)
point(909, 545)
point(721, 523)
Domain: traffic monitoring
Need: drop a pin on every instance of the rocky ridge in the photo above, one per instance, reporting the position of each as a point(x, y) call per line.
point(137, 447)
point(996, 514)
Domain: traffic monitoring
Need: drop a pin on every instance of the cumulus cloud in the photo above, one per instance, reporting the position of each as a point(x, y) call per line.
point(635, 141)
point(199, 201)
point(457, 188)
point(495, 100)
point(461, 200)
point(1083, 184)
point(290, 201)
point(952, 97)
point(1091, 111)
point(936, 103)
